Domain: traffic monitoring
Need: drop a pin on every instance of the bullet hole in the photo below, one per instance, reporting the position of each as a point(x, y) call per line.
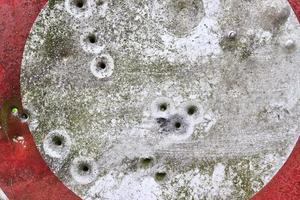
point(160, 176)
point(173, 124)
point(57, 144)
point(57, 140)
point(84, 170)
point(102, 66)
point(79, 3)
point(191, 110)
point(24, 117)
point(90, 42)
point(163, 107)
point(84, 167)
point(92, 38)
point(146, 162)
point(177, 125)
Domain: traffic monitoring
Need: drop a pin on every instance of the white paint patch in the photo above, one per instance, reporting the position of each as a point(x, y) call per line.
point(218, 175)
point(131, 187)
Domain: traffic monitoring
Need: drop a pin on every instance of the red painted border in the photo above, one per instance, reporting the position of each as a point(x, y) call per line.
point(23, 172)
point(296, 7)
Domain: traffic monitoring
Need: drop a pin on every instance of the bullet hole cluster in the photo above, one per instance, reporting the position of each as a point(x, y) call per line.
point(177, 121)
point(57, 145)
point(192, 109)
point(148, 162)
point(148, 166)
point(102, 65)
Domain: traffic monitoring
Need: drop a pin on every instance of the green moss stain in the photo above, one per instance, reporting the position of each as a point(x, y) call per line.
point(51, 3)
point(228, 44)
point(57, 41)
point(242, 50)
point(245, 52)
point(242, 178)
point(184, 193)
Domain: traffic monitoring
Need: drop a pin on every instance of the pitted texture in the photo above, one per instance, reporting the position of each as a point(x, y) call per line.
point(245, 89)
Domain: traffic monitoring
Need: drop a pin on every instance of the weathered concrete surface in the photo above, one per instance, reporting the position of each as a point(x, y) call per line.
point(199, 104)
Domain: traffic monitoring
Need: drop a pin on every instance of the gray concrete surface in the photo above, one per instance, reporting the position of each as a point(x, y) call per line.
point(162, 99)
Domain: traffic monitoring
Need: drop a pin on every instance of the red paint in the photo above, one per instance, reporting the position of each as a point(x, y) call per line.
point(296, 7)
point(2, 80)
point(23, 172)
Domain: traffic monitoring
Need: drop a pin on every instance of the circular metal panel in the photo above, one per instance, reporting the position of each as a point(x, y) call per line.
point(164, 99)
